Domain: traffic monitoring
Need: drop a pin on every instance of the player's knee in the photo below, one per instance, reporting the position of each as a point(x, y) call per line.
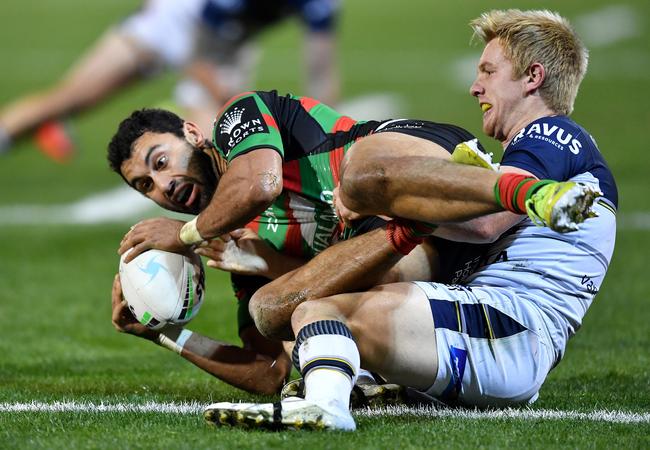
point(314, 311)
point(363, 177)
point(270, 315)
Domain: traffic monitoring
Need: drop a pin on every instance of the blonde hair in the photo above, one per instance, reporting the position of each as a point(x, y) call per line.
point(544, 37)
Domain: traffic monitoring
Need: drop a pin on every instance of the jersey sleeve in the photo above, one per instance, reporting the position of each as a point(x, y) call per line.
point(245, 124)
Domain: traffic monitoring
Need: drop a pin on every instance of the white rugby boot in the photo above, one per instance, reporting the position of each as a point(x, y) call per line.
point(290, 413)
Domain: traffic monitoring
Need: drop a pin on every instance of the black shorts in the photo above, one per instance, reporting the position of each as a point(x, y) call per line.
point(445, 135)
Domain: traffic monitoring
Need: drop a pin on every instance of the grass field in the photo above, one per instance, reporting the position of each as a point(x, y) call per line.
point(57, 342)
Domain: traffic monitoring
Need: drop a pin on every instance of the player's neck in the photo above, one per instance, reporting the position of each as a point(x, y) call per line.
point(524, 118)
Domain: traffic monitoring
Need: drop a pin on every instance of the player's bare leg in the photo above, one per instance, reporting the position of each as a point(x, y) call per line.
point(356, 264)
point(113, 61)
point(390, 329)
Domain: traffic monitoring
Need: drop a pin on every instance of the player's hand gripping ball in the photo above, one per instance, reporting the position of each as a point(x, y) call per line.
point(163, 288)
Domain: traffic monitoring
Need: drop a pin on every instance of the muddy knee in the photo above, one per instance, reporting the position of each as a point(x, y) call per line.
point(272, 311)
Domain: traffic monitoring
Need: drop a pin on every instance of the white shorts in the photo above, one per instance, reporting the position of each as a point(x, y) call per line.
point(176, 33)
point(493, 348)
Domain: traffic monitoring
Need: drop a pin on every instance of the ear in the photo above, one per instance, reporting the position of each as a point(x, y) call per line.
point(193, 134)
point(535, 77)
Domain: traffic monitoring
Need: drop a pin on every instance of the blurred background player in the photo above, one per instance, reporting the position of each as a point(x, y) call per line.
point(209, 41)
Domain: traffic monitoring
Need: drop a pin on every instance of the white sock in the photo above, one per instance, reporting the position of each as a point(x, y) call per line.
point(329, 362)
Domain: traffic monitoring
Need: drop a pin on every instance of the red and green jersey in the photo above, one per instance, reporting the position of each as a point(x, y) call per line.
point(312, 139)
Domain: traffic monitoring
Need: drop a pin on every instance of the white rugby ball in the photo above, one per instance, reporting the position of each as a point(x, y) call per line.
point(162, 288)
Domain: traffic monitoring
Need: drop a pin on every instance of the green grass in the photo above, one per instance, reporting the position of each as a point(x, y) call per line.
point(57, 342)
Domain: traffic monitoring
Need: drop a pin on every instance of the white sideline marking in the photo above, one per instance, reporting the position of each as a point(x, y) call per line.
point(509, 413)
point(608, 25)
point(121, 204)
point(375, 106)
point(391, 411)
point(124, 205)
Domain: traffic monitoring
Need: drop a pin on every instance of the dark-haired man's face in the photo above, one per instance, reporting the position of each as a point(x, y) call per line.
point(171, 172)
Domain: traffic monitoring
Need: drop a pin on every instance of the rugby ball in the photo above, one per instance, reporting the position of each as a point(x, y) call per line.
point(162, 288)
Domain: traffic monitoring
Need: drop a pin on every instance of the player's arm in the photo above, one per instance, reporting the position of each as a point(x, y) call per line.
point(249, 186)
point(484, 229)
point(260, 366)
point(243, 252)
point(356, 264)
point(246, 135)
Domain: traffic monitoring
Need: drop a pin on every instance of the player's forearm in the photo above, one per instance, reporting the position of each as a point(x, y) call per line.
point(240, 367)
point(485, 229)
point(348, 266)
point(246, 189)
point(282, 264)
point(419, 188)
point(231, 208)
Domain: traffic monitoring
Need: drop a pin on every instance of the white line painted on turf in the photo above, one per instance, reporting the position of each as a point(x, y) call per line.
point(391, 411)
point(608, 25)
point(73, 406)
point(121, 204)
point(509, 413)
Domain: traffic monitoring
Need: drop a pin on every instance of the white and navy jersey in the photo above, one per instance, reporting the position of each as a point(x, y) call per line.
point(559, 273)
point(178, 30)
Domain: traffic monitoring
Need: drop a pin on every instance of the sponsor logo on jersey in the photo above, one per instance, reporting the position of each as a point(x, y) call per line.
point(397, 124)
point(589, 284)
point(457, 360)
point(553, 134)
point(230, 120)
point(241, 120)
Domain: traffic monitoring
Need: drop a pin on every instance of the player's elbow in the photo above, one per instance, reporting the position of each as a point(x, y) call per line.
point(483, 233)
point(481, 230)
point(264, 191)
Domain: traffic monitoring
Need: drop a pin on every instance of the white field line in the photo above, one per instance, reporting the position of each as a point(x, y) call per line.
point(608, 25)
point(393, 411)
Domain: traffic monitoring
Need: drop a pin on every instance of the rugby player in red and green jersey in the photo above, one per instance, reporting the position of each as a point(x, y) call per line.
point(273, 165)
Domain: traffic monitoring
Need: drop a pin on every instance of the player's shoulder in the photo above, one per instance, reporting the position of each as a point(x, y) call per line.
point(244, 115)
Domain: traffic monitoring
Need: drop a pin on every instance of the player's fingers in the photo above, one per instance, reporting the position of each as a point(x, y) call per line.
point(118, 315)
point(238, 233)
point(116, 292)
point(209, 253)
point(137, 250)
point(217, 245)
point(131, 239)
